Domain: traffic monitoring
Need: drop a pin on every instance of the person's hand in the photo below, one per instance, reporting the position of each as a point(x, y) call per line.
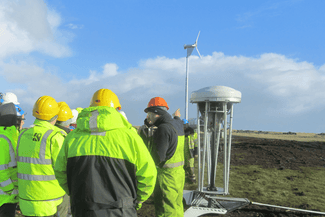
point(146, 122)
point(177, 113)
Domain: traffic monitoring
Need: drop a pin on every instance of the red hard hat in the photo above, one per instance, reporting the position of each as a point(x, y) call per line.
point(157, 101)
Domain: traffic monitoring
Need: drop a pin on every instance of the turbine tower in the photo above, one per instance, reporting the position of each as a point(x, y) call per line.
point(189, 48)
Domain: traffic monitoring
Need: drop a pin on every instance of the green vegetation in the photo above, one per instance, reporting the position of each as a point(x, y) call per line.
point(301, 137)
point(302, 189)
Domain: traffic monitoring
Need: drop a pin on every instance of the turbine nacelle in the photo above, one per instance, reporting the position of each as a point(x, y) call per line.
point(190, 47)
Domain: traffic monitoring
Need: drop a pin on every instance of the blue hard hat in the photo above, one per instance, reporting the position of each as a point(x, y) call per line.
point(72, 127)
point(19, 110)
point(185, 121)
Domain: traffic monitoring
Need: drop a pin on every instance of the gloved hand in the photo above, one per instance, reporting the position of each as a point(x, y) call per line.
point(147, 123)
point(139, 205)
point(196, 152)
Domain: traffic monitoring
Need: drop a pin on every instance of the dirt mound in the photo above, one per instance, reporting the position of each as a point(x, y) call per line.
point(281, 154)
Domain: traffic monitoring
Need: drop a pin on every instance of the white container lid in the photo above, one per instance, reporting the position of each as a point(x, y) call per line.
point(216, 94)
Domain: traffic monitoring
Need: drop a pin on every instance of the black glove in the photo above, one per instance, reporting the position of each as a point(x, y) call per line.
point(195, 152)
point(147, 123)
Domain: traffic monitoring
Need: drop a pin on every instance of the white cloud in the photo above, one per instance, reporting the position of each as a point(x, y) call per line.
point(27, 26)
point(297, 86)
point(35, 80)
point(110, 70)
point(322, 68)
point(74, 26)
point(293, 87)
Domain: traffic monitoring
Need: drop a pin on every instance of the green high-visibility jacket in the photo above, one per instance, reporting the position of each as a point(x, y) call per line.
point(8, 165)
point(104, 165)
point(178, 158)
point(168, 195)
point(194, 138)
point(37, 150)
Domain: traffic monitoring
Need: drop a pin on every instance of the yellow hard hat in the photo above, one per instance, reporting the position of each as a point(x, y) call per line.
point(105, 97)
point(65, 112)
point(45, 108)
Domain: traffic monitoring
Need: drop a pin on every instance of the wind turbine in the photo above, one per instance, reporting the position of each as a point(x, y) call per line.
point(189, 48)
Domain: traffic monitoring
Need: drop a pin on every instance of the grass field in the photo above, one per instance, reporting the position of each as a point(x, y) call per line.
point(301, 188)
point(301, 137)
point(291, 188)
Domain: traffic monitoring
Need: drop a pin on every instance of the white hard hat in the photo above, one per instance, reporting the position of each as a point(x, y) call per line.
point(10, 97)
point(75, 114)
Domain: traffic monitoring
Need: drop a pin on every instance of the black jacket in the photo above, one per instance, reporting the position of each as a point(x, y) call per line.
point(165, 138)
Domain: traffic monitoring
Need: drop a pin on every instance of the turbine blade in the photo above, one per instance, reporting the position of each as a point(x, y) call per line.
point(197, 37)
point(198, 52)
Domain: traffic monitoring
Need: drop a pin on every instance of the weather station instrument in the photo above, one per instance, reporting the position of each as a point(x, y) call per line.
point(215, 112)
point(214, 105)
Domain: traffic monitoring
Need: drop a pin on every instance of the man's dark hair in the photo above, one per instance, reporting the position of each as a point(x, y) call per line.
point(188, 130)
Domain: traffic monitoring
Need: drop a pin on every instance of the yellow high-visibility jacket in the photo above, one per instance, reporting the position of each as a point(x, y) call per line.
point(104, 165)
point(8, 165)
point(37, 150)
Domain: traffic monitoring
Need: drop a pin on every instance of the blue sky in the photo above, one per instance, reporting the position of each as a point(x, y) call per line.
point(273, 52)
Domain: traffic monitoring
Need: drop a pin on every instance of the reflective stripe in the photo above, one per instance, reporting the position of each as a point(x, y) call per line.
point(12, 162)
point(93, 121)
point(64, 133)
point(98, 133)
point(43, 145)
point(5, 183)
point(173, 165)
point(43, 200)
point(15, 191)
point(36, 177)
point(19, 141)
point(41, 159)
point(93, 124)
point(34, 160)
point(54, 199)
point(4, 166)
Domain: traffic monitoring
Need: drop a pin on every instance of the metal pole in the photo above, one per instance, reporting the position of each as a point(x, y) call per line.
point(208, 150)
point(229, 141)
point(205, 141)
point(213, 148)
point(225, 149)
point(199, 147)
point(288, 208)
point(186, 89)
point(218, 142)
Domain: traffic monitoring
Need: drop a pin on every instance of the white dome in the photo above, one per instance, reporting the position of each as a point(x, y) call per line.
point(216, 94)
